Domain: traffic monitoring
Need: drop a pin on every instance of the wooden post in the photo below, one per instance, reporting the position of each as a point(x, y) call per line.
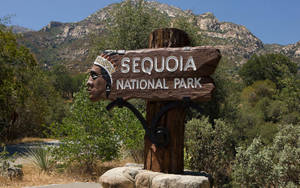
point(168, 159)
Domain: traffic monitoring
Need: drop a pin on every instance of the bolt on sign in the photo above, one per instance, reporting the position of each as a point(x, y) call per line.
point(160, 74)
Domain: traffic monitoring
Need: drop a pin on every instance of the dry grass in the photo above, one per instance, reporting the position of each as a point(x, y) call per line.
point(29, 139)
point(100, 168)
point(34, 177)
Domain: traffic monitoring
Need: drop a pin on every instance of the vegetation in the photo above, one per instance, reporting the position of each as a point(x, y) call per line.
point(41, 158)
point(90, 133)
point(28, 98)
point(64, 82)
point(256, 140)
point(7, 169)
point(87, 134)
point(275, 165)
point(129, 27)
point(189, 26)
point(248, 135)
point(210, 149)
point(274, 67)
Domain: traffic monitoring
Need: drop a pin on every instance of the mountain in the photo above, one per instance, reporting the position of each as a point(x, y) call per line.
point(69, 43)
point(19, 29)
point(291, 50)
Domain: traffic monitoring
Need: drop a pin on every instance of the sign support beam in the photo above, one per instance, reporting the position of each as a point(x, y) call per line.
point(169, 159)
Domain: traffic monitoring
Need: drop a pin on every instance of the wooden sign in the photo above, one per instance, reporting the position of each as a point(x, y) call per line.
point(161, 74)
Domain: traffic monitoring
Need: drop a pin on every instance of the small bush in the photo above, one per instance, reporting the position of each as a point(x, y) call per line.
point(41, 158)
point(210, 149)
point(91, 133)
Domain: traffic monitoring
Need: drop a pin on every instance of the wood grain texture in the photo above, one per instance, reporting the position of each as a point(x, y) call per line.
point(168, 159)
point(205, 60)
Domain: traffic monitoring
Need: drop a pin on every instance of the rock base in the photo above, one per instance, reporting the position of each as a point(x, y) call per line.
point(136, 177)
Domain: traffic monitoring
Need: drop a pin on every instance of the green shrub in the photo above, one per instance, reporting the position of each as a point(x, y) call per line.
point(210, 148)
point(91, 133)
point(130, 131)
point(276, 165)
point(41, 158)
point(87, 134)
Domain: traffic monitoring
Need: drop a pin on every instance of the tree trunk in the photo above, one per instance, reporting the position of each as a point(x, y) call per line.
point(169, 159)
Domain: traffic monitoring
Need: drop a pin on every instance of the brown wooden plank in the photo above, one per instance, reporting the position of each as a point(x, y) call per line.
point(178, 78)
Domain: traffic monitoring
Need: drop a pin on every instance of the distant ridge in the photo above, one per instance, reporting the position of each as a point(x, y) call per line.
point(19, 29)
point(67, 43)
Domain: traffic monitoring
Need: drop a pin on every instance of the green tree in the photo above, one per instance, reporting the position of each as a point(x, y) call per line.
point(130, 131)
point(257, 113)
point(15, 62)
point(224, 103)
point(27, 97)
point(274, 67)
point(132, 23)
point(289, 98)
point(258, 90)
point(129, 27)
point(62, 80)
point(65, 82)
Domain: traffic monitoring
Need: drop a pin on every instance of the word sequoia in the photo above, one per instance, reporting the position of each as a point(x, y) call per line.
point(148, 64)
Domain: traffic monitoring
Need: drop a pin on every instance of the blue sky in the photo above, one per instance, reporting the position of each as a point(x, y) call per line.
point(272, 21)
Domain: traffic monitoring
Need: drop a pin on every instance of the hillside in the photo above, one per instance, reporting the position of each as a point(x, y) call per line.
point(69, 43)
point(19, 29)
point(291, 50)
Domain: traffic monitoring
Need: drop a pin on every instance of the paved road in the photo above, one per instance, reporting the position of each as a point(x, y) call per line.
point(24, 147)
point(71, 185)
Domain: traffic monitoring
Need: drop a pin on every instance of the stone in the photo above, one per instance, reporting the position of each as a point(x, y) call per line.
point(121, 177)
point(8, 170)
point(15, 173)
point(136, 177)
point(180, 181)
point(134, 165)
point(144, 178)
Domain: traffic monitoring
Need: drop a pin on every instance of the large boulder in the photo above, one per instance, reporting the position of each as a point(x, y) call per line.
point(136, 177)
point(121, 177)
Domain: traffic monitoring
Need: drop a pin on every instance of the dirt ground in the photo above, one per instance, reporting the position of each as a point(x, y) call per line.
point(34, 177)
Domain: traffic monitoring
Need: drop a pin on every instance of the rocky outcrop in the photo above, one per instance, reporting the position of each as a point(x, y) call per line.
point(52, 25)
point(10, 171)
point(136, 177)
point(292, 50)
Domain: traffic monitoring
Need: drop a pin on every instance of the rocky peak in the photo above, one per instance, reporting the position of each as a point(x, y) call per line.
point(208, 21)
point(208, 15)
point(99, 16)
point(169, 10)
point(51, 25)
